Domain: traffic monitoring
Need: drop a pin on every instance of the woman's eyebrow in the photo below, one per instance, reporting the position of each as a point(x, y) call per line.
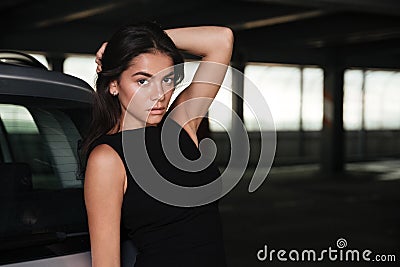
point(149, 74)
point(143, 73)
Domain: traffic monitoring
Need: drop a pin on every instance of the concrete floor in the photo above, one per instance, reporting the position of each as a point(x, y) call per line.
point(299, 208)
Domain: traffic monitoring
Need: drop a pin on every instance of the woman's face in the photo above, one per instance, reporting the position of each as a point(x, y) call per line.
point(145, 89)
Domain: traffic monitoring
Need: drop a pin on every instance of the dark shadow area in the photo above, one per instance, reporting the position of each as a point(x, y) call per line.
point(298, 208)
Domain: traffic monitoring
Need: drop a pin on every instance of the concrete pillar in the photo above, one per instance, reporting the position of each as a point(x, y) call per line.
point(238, 86)
point(333, 143)
point(237, 107)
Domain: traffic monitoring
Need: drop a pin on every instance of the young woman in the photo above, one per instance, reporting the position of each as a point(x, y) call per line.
point(138, 69)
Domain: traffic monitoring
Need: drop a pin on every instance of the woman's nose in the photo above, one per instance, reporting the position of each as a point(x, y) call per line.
point(157, 92)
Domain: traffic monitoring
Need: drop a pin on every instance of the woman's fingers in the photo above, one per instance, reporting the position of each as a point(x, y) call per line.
point(99, 56)
point(100, 52)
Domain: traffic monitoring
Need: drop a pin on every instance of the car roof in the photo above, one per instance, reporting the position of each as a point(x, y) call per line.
point(39, 82)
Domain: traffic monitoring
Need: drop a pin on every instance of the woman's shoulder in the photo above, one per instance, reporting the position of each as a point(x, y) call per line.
point(105, 172)
point(104, 149)
point(104, 161)
point(103, 154)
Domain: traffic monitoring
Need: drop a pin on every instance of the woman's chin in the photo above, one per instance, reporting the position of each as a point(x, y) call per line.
point(154, 119)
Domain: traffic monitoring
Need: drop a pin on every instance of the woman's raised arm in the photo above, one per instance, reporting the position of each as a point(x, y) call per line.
point(214, 45)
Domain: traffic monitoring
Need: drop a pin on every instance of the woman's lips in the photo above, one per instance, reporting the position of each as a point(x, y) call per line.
point(157, 111)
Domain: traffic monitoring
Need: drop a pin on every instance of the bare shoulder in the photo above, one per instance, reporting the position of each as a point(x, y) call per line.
point(105, 165)
point(103, 152)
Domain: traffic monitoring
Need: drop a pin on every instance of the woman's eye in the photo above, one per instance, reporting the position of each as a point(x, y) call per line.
point(142, 82)
point(168, 80)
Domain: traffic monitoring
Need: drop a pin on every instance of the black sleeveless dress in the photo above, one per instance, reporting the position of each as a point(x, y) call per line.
point(168, 235)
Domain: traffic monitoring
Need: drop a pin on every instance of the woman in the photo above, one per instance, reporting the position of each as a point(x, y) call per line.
point(130, 96)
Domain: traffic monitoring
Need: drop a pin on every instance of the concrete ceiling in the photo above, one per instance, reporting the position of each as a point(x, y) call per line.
point(364, 33)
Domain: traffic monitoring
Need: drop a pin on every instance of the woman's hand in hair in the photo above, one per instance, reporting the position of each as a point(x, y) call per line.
point(99, 56)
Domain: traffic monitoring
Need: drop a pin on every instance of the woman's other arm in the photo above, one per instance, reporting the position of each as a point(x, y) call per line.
point(103, 191)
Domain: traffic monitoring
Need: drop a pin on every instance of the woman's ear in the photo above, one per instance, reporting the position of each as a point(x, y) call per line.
point(113, 88)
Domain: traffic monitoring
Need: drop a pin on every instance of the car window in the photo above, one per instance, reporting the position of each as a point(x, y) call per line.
point(45, 139)
point(41, 194)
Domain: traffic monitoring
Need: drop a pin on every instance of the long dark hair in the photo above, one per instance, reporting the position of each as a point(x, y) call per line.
point(126, 43)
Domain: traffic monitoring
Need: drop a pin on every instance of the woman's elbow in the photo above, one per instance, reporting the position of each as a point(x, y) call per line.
point(227, 37)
